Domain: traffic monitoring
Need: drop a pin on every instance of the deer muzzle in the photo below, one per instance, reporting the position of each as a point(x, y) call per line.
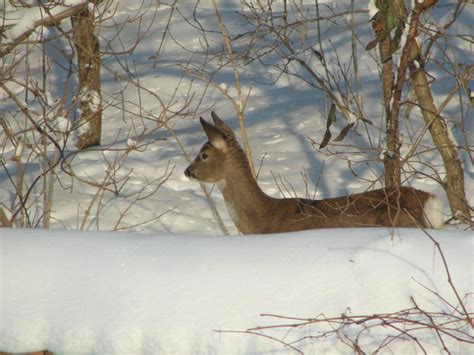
point(188, 173)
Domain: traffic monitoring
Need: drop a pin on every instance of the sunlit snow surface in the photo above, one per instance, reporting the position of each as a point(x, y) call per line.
point(73, 292)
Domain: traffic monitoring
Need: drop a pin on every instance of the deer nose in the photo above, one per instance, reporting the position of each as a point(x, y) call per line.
point(188, 173)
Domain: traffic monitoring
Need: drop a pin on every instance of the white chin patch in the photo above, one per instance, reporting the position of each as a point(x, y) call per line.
point(221, 184)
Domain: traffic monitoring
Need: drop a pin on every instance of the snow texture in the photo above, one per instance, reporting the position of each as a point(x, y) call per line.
point(24, 20)
point(434, 212)
point(91, 98)
point(373, 9)
point(111, 293)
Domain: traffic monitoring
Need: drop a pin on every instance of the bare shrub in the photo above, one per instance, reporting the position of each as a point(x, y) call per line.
point(44, 108)
point(449, 326)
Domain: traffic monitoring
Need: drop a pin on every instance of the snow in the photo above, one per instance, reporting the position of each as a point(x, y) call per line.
point(91, 98)
point(83, 128)
point(171, 282)
point(373, 9)
point(73, 292)
point(406, 30)
point(223, 87)
point(433, 212)
point(63, 124)
point(24, 20)
point(131, 143)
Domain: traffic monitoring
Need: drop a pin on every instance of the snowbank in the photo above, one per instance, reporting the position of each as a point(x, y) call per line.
point(112, 293)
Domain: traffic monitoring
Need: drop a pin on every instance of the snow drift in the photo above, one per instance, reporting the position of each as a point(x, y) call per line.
point(112, 293)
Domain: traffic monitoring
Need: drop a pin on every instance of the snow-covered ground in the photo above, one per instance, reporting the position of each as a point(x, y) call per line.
point(172, 283)
point(103, 293)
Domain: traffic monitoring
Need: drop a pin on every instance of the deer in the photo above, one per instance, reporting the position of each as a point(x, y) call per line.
point(222, 161)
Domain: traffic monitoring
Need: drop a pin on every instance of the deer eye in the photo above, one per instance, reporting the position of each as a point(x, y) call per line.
point(204, 156)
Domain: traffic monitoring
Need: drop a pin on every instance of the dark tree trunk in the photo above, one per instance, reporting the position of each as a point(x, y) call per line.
point(88, 59)
point(392, 168)
point(391, 16)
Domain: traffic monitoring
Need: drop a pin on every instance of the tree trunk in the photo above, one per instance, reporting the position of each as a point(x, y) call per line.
point(88, 59)
point(454, 185)
point(388, 20)
point(391, 162)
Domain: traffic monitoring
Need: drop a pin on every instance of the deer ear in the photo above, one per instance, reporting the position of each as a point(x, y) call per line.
point(217, 120)
point(221, 125)
point(216, 137)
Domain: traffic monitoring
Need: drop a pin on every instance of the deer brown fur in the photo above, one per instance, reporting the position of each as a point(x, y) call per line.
point(221, 160)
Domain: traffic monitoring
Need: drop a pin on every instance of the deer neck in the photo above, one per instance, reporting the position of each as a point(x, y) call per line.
point(234, 188)
point(246, 203)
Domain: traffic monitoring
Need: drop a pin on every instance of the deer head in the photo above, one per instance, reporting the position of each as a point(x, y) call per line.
point(213, 161)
